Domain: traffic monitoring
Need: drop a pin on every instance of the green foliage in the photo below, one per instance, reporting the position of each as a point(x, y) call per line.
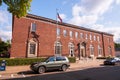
point(117, 45)
point(101, 57)
point(21, 61)
point(17, 7)
point(0, 2)
point(72, 59)
point(4, 46)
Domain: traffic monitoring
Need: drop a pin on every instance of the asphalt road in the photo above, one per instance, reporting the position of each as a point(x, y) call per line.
point(100, 73)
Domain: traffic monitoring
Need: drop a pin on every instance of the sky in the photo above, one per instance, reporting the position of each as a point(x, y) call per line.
point(101, 15)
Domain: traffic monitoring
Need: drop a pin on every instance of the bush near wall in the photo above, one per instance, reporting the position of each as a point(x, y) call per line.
point(104, 57)
point(21, 61)
point(72, 59)
point(27, 61)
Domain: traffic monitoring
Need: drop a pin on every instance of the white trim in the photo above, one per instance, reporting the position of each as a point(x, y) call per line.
point(32, 55)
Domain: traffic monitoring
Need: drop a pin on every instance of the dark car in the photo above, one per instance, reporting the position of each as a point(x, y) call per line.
point(111, 61)
point(51, 63)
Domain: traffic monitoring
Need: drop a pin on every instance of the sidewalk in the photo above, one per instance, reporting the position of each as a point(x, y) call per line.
point(82, 64)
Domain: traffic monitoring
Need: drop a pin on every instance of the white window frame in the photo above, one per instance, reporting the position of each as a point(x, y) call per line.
point(33, 27)
point(32, 55)
point(71, 34)
point(64, 33)
point(92, 50)
point(81, 35)
point(58, 45)
point(99, 51)
point(76, 35)
point(58, 31)
point(90, 36)
point(71, 48)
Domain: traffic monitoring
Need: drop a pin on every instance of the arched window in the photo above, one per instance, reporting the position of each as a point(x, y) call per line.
point(91, 50)
point(32, 48)
point(99, 50)
point(58, 48)
point(71, 49)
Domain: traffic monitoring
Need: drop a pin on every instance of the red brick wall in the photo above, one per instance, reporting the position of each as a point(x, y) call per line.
point(47, 38)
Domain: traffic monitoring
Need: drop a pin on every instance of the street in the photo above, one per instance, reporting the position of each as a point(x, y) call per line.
point(98, 73)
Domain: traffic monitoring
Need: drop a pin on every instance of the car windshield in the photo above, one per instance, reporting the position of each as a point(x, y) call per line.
point(49, 59)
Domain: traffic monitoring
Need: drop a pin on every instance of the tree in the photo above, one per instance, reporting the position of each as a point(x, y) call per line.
point(5, 49)
point(117, 45)
point(18, 8)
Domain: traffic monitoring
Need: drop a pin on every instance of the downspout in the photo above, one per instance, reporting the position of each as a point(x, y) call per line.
point(103, 44)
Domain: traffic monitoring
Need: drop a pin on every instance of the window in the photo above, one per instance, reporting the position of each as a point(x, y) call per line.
point(71, 49)
point(32, 48)
point(64, 33)
point(58, 31)
point(99, 50)
point(94, 38)
point(81, 35)
point(108, 40)
point(58, 47)
point(76, 34)
point(86, 36)
point(90, 37)
point(98, 38)
point(91, 49)
point(71, 34)
point(109, 50)
point(33, 27)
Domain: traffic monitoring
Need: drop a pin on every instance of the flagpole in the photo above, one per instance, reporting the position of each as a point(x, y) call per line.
point(57, 22)
point(57, 17)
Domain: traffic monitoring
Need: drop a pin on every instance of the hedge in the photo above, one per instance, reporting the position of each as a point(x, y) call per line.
point(21, 61)
point(72, 59)
point(27, 61)
point(104, 57)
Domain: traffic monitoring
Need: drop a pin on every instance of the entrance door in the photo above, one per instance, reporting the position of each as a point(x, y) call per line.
point(82, 49)
point(83, 52)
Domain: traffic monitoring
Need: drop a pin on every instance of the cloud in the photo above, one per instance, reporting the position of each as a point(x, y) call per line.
point(97, 7)
point(5, 25)
point(4, 17)
point(112, 30)
point(5, 35)
point(87, 13)
point(117, 1)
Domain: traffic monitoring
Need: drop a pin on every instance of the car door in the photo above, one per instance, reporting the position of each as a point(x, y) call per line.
point(50, 63)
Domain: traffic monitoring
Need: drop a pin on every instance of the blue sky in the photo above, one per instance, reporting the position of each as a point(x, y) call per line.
point(102, 15)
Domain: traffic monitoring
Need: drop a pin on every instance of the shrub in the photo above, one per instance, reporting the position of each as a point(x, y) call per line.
point(21, 61)
point(101, 57)
point(72, 59)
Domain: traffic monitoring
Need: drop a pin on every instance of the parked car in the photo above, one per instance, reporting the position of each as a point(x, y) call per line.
point(51, 63)
point(112, 61)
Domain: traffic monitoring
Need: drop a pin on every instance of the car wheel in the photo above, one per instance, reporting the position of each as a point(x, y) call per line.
point(41, 69)
point(64, 67)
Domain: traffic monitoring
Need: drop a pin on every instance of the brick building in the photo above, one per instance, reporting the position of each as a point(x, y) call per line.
point(36, 36)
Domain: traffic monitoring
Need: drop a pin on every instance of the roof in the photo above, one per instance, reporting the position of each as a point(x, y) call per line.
point(64, 24)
